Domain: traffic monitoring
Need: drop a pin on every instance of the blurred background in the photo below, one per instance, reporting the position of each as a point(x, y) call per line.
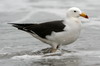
point(16, 45)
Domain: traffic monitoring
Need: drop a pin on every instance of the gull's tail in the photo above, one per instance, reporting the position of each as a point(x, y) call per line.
point(24, 27)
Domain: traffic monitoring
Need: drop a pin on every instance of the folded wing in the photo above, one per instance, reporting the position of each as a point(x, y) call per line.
point(42, 29)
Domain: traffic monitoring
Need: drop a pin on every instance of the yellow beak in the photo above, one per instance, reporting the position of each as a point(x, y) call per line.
point(84, 15)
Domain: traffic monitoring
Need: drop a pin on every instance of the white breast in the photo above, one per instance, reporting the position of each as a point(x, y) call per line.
point(71, 33)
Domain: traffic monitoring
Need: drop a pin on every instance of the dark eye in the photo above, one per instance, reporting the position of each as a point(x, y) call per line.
point(75, 11)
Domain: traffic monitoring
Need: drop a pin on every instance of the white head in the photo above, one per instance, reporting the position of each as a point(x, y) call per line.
point(75, 13)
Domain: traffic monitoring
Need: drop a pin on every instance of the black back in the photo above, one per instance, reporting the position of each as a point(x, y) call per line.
point(42, 29)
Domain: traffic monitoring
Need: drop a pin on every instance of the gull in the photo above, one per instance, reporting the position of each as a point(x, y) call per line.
point(56, 33)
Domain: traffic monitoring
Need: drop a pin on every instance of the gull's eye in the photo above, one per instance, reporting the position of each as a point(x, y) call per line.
point(75, 11)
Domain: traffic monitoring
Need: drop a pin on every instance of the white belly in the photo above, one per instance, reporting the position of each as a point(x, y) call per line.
point(66, 37)
point(63, 37)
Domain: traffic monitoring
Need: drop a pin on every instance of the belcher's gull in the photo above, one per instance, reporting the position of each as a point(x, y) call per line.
point(56, 33)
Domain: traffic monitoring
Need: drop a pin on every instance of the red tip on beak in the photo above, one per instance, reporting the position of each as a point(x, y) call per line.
point(84, 15)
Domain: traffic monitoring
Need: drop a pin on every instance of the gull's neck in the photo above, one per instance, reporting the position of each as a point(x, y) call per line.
point(72, 23)
point(72, 20)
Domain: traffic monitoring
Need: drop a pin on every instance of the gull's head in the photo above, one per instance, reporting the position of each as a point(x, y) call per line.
point(75, 13)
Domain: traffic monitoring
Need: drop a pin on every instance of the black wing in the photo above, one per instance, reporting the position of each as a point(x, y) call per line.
point(42, 29)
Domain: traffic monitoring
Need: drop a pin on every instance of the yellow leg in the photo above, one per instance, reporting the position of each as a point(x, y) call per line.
point(53, 50)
